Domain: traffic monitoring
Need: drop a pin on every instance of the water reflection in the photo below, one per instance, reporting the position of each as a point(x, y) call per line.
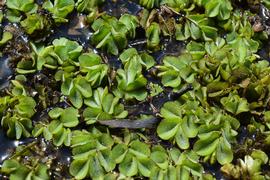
point(170, 47)
point(5, 72)
point(7, 146)
point(119, 7)
point(76, 30)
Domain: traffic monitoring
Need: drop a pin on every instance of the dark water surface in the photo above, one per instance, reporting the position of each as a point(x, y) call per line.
point(5, 72)
point(7, 146)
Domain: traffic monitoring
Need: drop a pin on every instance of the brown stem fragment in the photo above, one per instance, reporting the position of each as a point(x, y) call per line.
point(130, 124)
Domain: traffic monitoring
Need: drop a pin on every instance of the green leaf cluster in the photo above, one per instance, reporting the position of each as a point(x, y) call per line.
point(5, 38)
point(149, 4)
point(95, 154)
point(92, 67)
point(196, 26)
point(176, 71)
point(19, 171)
point(103, 106)
point(59, 9)
point(130, 81)
point(217, 8)
point(62, 52)
point(212, 129)
point(80, 88)
point(87, 6)
point(32, 17)
point(58, 130)
point(177, 5)
point(152, 34)
point(17, 116)
point(248, 168)
point(111, 33)
point(90, 8)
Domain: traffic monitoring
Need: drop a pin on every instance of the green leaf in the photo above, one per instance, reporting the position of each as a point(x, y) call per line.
point(65, 49)
point(59, 8)
point(167, 128)
point(55, 113)
point(69, 117)
point(119, 152)
point(26, 106)
point(131, 83)
point(95, 171)
point(156, 173)
point(110, 34)
point(129, 166)
point(60, 137)
point(152, 35)
point(10, 165)
point(84, 87)
point(41, 172)
point(177, 5)
point(67, 86)
point(34, 22)
point(204, 146)
point(15, 170)
point(189, 127)
point(79, 168)
point(6, 37)
point(261, 155)
point(234, 104)
point(172, 110)
point(38, 130)
point(88, 60)
point(76, 98)
point(145, 166)
point(175, 70)
point(171, 173)
point(47, 134)
point(105, 141)
point(224, 151)
point(160, 158)
point(18, 129)
point(55, 127)
point(87, 5)
point(219, 8)
point(149, 4)
point(24, 6)
point(181, 139)
point(196, 50)
point(139, 149)
point(148, 61)
point(103, 106)
point(106, 160)
point(131, 22)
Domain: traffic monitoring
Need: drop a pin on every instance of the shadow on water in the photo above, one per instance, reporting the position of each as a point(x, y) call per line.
point(170, 47)
point(7, 146)
point(215, 170)
point(118, 7)
point(76, 30)
point(5, 72)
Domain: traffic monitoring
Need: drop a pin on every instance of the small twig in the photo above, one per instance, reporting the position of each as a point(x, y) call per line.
point(104, 58)
point(136, 43)
point(130, 124)
point(23, 150)
point(185, 89)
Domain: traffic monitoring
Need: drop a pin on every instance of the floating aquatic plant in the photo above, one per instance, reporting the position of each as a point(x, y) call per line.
point(188, 107)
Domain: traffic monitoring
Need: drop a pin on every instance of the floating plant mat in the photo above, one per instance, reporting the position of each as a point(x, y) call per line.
point(147, 89)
